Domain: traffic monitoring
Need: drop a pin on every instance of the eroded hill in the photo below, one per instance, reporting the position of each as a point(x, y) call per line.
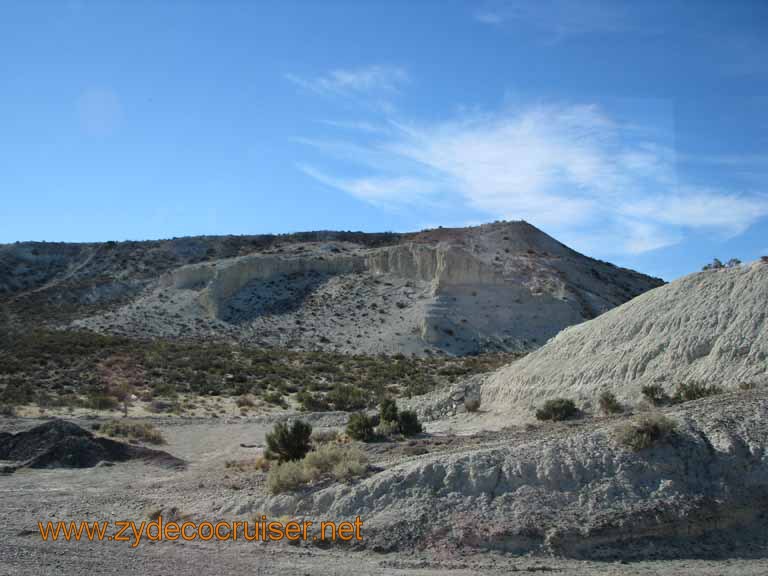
point(498, 287)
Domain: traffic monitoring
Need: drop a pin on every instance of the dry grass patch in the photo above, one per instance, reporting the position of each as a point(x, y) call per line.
point(137, 431)
point(259, 463)
point(335, 461)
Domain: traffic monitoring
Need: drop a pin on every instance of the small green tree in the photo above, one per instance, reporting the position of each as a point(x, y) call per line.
point(287, 443)
point(388, 410)
point(360, 427)
point(716, 264)
point(408, 423)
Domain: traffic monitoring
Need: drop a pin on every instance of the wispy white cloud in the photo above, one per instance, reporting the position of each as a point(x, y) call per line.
point(369, 80)
point(559, 19)
point(380, 191)
point(573, 170)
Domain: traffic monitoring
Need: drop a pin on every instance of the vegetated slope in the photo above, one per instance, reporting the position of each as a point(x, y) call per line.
point(709, 328)
point(505, 286)
point(570, 489)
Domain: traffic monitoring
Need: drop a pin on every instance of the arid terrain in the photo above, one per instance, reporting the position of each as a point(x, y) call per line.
point(552, 413)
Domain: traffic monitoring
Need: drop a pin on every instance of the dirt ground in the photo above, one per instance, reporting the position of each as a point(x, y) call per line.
point(132, 491)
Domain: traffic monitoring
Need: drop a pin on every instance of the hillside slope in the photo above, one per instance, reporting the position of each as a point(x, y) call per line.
point(710, 327)
point(501, 286)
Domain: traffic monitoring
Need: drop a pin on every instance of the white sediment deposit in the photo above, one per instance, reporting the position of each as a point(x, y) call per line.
point(710, 327)
point(567, 489)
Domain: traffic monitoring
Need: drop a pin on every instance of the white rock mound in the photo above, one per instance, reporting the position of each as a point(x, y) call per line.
point(574, 491)
point(708, 327)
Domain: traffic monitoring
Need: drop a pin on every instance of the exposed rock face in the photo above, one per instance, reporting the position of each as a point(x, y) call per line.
point(502, 286)
point(710, 327)
point(572, 490)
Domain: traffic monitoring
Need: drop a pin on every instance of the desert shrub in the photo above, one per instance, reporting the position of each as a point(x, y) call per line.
point(7, 410)
point(286, 476)
point(166, 389)
point(609, 404)
point(245, 401)
point(408, 423)
point(160, 406)
point(17, 392)
point(688, 391)
point(287, 443)
point(99, 401)
point(556, 410)
point(275, 398)
point(716, 264)
point(733, 263)
point(388, 410)
point(330, 460)
point(655, 394)
point(341, 461)
point(141, 431)
point(386, 429)
point(348, 398)
point(360, 427)
point(312, 401)
point(324, 437)
point(472, 404)
point(647, 431)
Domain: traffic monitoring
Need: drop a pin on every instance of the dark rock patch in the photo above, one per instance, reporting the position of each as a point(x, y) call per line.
point(62, 444)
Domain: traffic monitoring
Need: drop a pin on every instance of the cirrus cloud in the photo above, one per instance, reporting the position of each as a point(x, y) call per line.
point(571, 169)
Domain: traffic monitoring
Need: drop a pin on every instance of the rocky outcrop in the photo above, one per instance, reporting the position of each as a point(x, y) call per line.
point(575, 491)
point(710, 327)
point(223, 279)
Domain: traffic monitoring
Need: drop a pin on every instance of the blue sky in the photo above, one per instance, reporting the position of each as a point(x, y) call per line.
point(634, 132)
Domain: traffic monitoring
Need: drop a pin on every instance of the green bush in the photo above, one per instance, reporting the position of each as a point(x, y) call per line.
point(408, 423)
point(348, 398)
point(693, 391)
point(102, 402)
point(388, 410)
point(655, 394)
point(275, 398)
point(287, 443)
point(556, 410)
point(312, 401)
point(609, 404)
point(360, 427)
point(647, 431)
